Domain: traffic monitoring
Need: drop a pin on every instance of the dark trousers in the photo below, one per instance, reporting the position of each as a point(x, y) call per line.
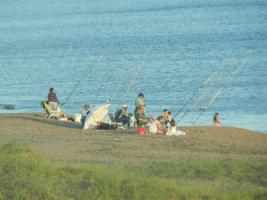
point(125, 121)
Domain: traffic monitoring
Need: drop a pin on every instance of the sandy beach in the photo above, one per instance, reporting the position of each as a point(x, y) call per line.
point(66, 141)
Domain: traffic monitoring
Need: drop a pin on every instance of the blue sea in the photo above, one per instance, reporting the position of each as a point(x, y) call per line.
point(98, 46)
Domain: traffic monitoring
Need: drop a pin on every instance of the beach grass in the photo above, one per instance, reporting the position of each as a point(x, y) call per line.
point(27, 174)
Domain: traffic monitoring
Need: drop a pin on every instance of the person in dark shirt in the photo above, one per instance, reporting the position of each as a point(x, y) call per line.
point(122, 116)
point(52, 99)
point(85, 112)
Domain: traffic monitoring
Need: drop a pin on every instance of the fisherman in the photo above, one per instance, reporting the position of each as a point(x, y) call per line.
point(140, 102)
point(52, 99)
point(85, 112)
point(123, 116)
point(139, 111)
point(141, 118)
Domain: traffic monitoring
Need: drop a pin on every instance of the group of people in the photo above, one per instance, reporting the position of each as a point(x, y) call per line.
point(162, 125)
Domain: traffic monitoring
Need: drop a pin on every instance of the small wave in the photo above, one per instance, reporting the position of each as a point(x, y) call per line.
point(7, 106)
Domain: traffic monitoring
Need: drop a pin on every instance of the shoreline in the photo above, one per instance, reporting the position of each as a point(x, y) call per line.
point(41, 114)
point(66, 141)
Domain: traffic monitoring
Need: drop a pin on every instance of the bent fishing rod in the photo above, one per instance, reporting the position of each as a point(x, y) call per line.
point(85, 75)
point(135, 77)
point(120, 76)
point(210, 81)
point(226, 83)
point(205, 92)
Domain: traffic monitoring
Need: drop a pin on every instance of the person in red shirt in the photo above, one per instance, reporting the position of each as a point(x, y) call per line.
point(52, 99)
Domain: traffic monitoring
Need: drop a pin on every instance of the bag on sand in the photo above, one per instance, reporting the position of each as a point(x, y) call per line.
point(106, 126)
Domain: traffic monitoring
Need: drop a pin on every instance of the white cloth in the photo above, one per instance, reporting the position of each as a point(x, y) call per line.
point(78, 118)
point(153, 129)
point(53, 105)
point(173, 131)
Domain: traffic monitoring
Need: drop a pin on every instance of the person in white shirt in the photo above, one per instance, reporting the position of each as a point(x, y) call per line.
point(157, 126)
point(172, 130)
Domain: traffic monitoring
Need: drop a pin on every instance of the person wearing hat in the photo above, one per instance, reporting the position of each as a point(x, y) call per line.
point(123, 116)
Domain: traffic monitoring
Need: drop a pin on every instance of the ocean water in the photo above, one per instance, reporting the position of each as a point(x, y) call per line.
point(49, 43)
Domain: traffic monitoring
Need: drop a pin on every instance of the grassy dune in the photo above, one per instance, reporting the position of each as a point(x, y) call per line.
point(25, 174)
point(46, 159)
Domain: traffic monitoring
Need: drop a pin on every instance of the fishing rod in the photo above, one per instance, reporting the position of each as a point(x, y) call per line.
point(224, 86)
point(113, 86)
point(101, 86)
point(85, 75)
point(194, 95)
point(119, 81)
point(211, 81)
point(201, 96)
point(131, 82)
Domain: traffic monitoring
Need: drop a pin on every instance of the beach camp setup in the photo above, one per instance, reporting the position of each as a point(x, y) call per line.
point(200, 100)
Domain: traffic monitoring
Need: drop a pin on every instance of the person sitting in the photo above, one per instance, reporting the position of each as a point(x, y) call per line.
point(216, 120)
point(166, 117)
point(172, 130)
point(156, 127)
point(52, 99)
point(122, 116)
point(161, 129)
point(152, 129)
point(85, 112)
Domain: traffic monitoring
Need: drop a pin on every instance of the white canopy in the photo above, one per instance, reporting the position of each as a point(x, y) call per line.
point(97, 115)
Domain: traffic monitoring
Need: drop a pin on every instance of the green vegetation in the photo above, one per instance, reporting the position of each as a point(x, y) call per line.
point(24, 174)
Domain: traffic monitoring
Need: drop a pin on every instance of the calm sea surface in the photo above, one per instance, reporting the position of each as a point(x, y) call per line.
point(51, 43)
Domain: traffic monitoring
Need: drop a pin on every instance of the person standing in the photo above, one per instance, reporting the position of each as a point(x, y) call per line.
point(216, 120)
point(139, 111)
point(85, 112)
point(140, 102)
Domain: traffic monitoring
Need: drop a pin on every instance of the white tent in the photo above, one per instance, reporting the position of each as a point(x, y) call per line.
point(97, 115)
